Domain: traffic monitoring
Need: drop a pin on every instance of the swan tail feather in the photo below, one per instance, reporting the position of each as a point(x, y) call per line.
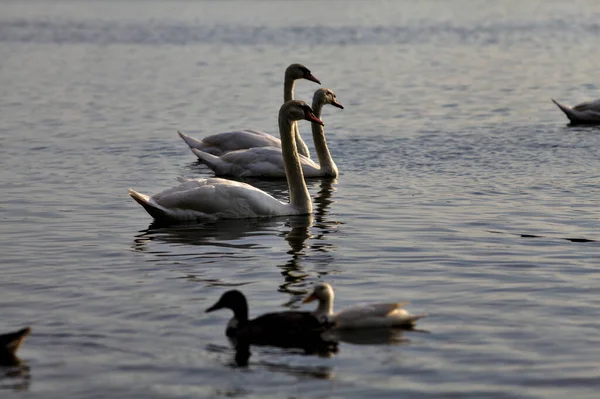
point(572, 115)
point(416, 317)
point(190, 141)
point(144, 201)
point(212, 161)
point(11, 342)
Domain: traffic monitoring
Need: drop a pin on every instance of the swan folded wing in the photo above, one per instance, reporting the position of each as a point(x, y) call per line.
point(218, 198)
point(261, 161)
point(588, 106)
point(231, 141)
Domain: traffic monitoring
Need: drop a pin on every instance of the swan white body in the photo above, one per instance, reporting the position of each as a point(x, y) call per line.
point(376, 315)
point(259, 161)
point(222, 143)
point(215, 198)
point(268, 161)
point(587, 113)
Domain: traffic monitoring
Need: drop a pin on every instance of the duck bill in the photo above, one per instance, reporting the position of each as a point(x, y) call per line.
point(310, 298)
point(311, 117)
point(312, 78)
point(214, 307)
point(336, 104)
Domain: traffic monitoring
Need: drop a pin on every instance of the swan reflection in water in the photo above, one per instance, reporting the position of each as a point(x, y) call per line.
point(300, 232)
point(242, 237)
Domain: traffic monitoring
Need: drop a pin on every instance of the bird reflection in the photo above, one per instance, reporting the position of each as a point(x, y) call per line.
point(242, 354)
point(371, 336)
point(222, 233)
point(297, 236)
point(327, 346)
point(323, 200)
point(16, 377)
point(316, 347)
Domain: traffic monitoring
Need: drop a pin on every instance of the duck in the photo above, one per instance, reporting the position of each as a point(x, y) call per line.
point(268, 162)
point(222, 143)
point(587, 113)
point(10, 343)
point(217, 198)
point(374, 315)
point(288, 328)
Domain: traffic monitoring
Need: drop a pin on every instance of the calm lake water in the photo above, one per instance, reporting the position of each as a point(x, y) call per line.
point(461, 190)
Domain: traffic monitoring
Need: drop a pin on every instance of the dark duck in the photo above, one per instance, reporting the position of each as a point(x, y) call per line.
point(283, 329)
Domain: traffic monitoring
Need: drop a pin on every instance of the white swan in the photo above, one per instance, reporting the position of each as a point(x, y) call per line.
point(222, 143)
point(375, 315)
point(216, 198)
point(587, 113)
point(268, 162)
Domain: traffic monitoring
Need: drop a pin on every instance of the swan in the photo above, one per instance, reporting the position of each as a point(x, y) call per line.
point(268, 162)
point(268, 329)
point(216, 198)
point(375, 315)
point(10, 343)
point(222, 143)
point(587, 113)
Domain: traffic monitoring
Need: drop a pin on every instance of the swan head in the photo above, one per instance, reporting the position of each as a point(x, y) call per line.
point(323, 293)
point(299, 71)
point(296, 110)
point(326, 96)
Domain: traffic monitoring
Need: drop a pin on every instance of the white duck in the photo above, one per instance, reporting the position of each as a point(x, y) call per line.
point(216, 198)
point(375, 315)
point(587, 113)
point(268, 162)
point(222, 143)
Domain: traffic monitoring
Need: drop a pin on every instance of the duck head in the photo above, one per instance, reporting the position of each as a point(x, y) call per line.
point(322, 292)
point(234, 300)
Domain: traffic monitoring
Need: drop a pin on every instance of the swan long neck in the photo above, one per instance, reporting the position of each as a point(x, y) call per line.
point(288, 94)
point(325, 161)
point(299, 197)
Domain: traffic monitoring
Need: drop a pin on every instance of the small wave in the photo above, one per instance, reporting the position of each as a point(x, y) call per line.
point(173, 33)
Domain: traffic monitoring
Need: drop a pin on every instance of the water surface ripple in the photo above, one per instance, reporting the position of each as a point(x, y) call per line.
point(461, 190)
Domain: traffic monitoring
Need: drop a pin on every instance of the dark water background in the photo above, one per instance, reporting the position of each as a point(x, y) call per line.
point(461, 190)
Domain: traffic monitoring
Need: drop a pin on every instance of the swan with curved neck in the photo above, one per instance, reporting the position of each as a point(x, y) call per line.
point(268, 162)
point(587, 113)
point(215, 198)
point(375, 315)
point(222, 143)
